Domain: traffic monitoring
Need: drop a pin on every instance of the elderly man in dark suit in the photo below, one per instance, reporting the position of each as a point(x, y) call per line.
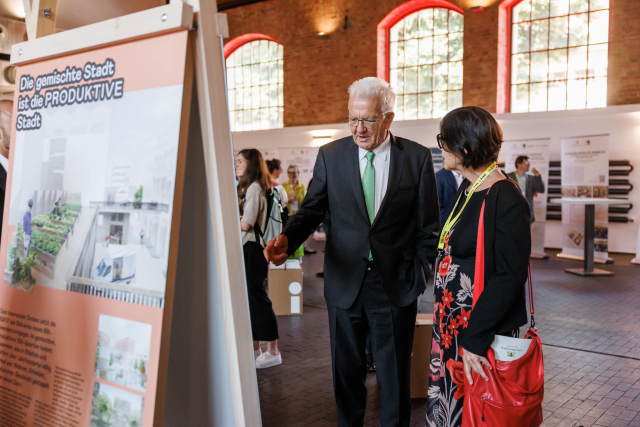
point(381, 192)
point(529, 183)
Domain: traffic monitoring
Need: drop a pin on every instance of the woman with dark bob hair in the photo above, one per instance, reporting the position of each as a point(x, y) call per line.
point(470, 140)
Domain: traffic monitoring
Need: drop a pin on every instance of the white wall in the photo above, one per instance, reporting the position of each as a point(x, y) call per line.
point(622, 123)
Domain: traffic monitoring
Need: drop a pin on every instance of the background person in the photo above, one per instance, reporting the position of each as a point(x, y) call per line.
point(275, 169)
point(296, 193)
point(448, 184)
point(26, 228)
point(529, 183)
point(470, 141)
point(382, 195)
point(254, 181)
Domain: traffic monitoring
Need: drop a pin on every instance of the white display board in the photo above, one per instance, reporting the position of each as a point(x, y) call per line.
point(303, 157)
point(585, 173)
point(538, 153)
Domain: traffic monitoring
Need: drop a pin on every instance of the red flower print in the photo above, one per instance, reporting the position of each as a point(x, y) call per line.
point(463, 318)
point(446, 241)
point(453, 327)
point(441, 326)
point(440, 310)
point(447, 299)
point(446, 340)
point(444, 266)
point(456, 369)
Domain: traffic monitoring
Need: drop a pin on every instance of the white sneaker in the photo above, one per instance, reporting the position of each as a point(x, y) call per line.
point(257, 353)
point(267, 360)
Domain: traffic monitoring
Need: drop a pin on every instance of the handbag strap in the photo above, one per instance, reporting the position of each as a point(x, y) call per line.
point(478, 278)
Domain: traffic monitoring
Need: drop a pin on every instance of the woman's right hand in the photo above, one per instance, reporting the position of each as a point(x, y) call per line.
point(474, 362)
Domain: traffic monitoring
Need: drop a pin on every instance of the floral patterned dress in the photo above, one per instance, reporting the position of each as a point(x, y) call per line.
point(453, 289)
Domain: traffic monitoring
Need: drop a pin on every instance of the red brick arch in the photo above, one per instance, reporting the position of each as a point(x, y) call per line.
point(234, 44)
point(393, 18)
point(504, 56)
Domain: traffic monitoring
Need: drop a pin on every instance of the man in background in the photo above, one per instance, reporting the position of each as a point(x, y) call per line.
point(529, 183)
point(26, 228)
point(6, 109)
point(448, 184)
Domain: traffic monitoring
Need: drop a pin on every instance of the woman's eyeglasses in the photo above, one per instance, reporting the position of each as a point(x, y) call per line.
point(440, 141)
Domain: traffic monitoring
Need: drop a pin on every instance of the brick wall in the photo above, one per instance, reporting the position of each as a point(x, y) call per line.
point(624, 52)
point(317, 72)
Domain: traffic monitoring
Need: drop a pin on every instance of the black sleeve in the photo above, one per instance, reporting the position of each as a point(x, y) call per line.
point(428, 225)
point(312, 211)
point(512, 249)
point(538, 184)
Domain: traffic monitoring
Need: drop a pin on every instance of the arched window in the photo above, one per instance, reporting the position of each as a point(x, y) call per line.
point(254, 81)
point(424, 57)
point(559, 52)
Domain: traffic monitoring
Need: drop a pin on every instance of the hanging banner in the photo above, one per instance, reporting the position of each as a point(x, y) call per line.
point(538, 153)
point(585, 173)
point(304, 158)
point(86, 234)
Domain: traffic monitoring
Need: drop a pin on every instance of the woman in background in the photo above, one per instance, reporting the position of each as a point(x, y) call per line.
point(254, 181)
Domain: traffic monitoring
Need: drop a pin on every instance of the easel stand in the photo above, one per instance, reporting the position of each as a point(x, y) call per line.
point(206, 370)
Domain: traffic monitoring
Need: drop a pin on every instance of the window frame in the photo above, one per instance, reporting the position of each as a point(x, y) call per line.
point(395, 16)
point(505, 20)
point(234, 44)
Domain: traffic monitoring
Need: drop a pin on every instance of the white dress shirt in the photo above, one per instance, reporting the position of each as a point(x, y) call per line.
point(381, 162)
point(459, 178)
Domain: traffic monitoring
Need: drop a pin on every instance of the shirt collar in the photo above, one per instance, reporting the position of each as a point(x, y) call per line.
point(381, 152)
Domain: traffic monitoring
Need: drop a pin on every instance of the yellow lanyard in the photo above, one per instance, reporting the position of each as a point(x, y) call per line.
point(450, 221)
point(524, 179)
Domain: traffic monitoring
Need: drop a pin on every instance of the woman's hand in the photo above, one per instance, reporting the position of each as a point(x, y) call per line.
point(471, 361)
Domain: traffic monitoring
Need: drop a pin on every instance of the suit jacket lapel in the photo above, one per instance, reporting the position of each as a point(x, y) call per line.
point(353, 166)
point(395, 173)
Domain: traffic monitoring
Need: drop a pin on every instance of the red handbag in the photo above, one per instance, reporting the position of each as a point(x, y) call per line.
point(513, 395)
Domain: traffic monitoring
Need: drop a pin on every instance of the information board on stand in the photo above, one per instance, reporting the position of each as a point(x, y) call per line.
point(585, 173)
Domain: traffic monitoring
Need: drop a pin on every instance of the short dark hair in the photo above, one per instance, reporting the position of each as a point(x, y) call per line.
point(273, 164)
point(521, 159)
point(473, 134)
point(30, 203)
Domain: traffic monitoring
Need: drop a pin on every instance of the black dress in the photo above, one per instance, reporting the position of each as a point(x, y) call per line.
point(453, 289)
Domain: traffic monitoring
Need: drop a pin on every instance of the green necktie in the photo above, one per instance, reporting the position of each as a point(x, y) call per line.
point(369, 187)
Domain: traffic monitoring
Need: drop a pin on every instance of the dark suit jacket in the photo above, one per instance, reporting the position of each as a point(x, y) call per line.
point(447, 190)
point(501, 307)
point(533, 184)
point(402, 238)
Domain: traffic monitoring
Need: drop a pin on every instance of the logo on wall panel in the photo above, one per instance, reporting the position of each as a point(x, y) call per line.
point(294, 289)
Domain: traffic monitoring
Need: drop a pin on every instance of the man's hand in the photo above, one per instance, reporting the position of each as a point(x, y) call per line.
point(535, 171)
point(276, 250)
point(473, 362)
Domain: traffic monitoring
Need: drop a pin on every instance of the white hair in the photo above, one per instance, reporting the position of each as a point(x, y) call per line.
point(374, 88)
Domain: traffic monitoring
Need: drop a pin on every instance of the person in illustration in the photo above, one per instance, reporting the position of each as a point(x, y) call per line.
point(56, 207)
point(26, 228)
point(529, 183)
point(141, 235)
point(382, 195)
point(6, 109)
point(117, 236)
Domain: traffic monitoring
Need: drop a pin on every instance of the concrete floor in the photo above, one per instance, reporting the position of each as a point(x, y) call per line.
point(590, 328)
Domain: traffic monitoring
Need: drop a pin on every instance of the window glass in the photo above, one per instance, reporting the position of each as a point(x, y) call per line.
point(254, 83)
point(425, 63)
point(559, 54)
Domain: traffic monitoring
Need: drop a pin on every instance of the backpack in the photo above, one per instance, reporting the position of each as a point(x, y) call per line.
point(276, 217)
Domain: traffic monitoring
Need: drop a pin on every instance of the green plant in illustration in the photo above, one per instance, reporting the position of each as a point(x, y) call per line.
point(111, 359)
point(22, 269)
point(135, 419)
point(137, 198)
point(105, 409)
point(97, 355)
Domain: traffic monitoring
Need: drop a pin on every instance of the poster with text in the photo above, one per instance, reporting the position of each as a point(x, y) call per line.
point(585, 173)
point(86, 234)
point(538, 153)
point(304, 158)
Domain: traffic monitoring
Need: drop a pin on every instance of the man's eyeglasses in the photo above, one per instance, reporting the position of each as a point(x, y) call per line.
point(367, 123)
